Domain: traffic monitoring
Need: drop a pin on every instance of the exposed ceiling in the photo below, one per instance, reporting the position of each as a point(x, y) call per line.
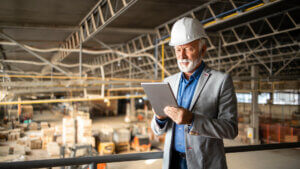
point(258, 32)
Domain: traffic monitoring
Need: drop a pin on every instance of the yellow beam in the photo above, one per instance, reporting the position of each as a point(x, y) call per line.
point(70, 100)
point(229, 16)
point(234, 14)
point(209, 23)
point(125, 89)
point(253, 7)
point(78, 77)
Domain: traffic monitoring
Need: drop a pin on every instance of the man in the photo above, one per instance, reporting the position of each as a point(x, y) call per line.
point(207, 110)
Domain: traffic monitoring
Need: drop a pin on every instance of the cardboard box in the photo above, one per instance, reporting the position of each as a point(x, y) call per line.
point(106, 135)
point(44, 125)
point(53, 149)
point(84, 131)
point(121, 136)
point(35, 143)
point(68, 134)
point(33, 126)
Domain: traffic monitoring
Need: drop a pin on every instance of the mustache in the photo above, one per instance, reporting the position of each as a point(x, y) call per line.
point(184, 61)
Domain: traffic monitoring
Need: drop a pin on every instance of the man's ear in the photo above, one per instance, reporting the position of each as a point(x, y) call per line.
point(203, 50)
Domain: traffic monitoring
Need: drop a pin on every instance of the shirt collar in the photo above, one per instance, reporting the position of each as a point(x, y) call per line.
point(196, 73)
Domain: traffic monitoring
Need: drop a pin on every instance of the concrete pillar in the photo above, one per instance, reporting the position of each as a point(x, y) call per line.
point(130, 111)
point(254, 105)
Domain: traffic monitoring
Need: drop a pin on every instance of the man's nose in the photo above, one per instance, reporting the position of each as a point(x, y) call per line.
point(182, 54)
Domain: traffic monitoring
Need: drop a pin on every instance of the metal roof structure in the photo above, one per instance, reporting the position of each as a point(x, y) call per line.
point(128, 38)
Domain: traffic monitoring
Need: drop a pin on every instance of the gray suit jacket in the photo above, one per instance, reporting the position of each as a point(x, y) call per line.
point(214, 106)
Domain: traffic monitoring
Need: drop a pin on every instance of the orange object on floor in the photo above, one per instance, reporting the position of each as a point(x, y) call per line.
point(101, 166)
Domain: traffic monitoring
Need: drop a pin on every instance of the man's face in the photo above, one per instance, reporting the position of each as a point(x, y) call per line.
point(188, 56)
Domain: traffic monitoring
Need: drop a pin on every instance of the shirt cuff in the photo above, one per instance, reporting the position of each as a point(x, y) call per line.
point(191, 125)
point(161, 123)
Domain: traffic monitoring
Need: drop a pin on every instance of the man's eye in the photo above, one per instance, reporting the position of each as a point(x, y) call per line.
point(190, 49)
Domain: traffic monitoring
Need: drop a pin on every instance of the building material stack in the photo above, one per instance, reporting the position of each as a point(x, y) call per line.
point(53, 149)
point(14, 135)
point(44, 125)
point(84, 131)
point(106, 145)
point(33, 126)
point(34, 138)
point(68, 134)
point(121, 138)
point(47, 136)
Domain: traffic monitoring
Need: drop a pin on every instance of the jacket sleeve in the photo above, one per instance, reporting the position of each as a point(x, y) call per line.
point(156, 127)
point(226, 125)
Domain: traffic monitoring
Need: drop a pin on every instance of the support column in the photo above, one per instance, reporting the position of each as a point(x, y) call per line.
point(130, 107)
point(130, 111)
point(254, 106)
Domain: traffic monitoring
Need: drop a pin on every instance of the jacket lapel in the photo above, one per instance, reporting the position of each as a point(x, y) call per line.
point(201, 83)
point(175, 85)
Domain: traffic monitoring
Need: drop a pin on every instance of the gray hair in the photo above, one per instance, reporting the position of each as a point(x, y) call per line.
point(202, 42)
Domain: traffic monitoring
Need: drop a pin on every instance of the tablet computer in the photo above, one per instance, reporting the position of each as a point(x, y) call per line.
point(160, 95)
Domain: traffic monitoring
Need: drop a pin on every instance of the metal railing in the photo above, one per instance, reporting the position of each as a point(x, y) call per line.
point(94, 160)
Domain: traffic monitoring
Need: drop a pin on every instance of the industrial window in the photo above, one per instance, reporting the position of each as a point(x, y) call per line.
point(286, 98)
point(263, 98)
point(247, 97)
point(244, 97)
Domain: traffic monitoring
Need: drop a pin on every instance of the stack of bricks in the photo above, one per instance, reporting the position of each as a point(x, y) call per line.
point(47, 136)
point(53, 149)
point(4, 135)
point(106, 135)
point(84, 131)
point(13, 135)
point(24, 141)
point(68, 134)
point(44, 125)
point(82, 115)
point(33, 126)
point(121, 138)
point(35, 143)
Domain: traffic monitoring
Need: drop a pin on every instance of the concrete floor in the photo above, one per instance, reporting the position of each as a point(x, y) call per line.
point(274, 159)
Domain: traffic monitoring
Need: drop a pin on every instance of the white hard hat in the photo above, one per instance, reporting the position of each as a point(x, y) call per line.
point(186, 30)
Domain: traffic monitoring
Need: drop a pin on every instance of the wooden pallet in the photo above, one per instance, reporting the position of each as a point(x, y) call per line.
point(123, 146)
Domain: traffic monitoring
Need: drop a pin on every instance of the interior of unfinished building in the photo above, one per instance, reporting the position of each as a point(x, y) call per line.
point(71, 74)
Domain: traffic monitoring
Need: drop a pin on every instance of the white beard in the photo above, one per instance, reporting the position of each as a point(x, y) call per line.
point(190, 67)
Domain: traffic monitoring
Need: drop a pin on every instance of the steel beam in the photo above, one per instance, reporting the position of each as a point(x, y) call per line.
point(33, 53)
point(147, 46)
point(287, 63)
point(92, 23)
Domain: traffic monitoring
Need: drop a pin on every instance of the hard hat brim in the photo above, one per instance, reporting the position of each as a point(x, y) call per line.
point(187, 41)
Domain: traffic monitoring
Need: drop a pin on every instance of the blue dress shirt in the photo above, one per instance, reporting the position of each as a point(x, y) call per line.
point(184, 98)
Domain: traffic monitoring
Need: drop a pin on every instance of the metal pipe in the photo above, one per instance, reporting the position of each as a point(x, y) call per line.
point(33, 53)
point(130, 157)
point(130, 63)
point(77, 77)
point(70, 100)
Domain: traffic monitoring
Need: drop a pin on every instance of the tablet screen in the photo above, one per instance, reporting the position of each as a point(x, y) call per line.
point(160, 95)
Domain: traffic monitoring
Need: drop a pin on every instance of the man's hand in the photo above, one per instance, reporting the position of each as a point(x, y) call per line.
point(159, 117)
point(179, 115)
